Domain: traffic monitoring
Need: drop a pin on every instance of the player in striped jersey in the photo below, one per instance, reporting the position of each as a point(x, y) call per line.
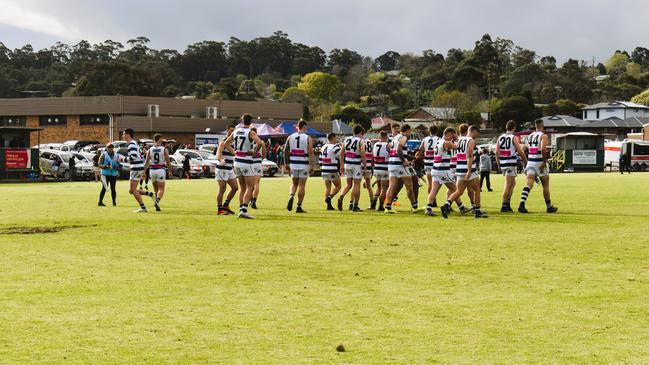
point(225, 174)
point(463, 130)
point(395, 128)
point(466, 172)
point(381, 154)
point(137, 169)
point(537, 167)
point(257, 170)
point(144, 181)
point(244, 141)
point(441, 173)
point(329, 167)
point(427, 152)
point(508, 148)
point(158, 164)
point(398, 169)
point(369, 165)
point(353, 165)
point(301, 161)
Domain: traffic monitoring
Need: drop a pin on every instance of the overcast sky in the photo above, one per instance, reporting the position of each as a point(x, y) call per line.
point(562, 28)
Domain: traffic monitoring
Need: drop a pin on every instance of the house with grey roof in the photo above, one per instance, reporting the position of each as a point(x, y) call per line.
point(611, 126)
point(616, 109)
point(433, 115)
point(562, 122)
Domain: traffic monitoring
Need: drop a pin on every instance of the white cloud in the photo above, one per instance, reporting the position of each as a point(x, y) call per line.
point(566, 29)
point(15, 15)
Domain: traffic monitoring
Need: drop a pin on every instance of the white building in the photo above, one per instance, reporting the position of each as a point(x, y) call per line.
point(617, 109)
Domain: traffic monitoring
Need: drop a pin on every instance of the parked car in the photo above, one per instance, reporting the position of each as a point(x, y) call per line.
point(78, 145)
point(195, 167)
point(92, 148)
point(120, 144)
point(269, 167)
point(208, 147)
point(146, 143)
point(83, 166)
point(207, 160)
point(58, 147)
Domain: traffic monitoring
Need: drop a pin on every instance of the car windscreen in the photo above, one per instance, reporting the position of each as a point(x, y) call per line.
point(207, 155)
point(81, 158)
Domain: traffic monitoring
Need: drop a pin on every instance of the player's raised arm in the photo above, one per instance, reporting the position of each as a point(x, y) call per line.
point(342, 159)
point(400, 154)
point(420, 151)
point(449, 145)
point(311, 156)
point(258, 142)
point(167, 158)
point(168, 161)
point(519, 149)
point(498, 153)
point(219, 151)
point(147, 161)
point(469, 158)
point(544, 150)
point(362, 151)
point(287, 153)
point(228, 140)
point(263, 150)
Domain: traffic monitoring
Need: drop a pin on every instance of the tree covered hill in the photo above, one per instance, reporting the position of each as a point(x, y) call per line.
point(495, 76)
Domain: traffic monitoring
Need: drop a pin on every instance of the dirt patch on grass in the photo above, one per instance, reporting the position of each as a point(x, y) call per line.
point(38, 230)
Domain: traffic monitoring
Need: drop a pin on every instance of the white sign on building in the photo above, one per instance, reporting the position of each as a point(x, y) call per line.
point(584, 157)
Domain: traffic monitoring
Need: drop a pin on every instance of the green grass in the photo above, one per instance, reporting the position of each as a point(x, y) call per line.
point(186, 286)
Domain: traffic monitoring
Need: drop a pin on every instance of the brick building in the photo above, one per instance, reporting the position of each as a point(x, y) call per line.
point(99, 118)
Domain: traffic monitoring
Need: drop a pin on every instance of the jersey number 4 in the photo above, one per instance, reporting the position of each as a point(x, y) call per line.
point(462, 145)
point(351, 146)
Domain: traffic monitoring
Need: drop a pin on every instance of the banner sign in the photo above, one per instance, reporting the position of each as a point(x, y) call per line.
point(584, 157)
point(17, 159)
point(202, 139)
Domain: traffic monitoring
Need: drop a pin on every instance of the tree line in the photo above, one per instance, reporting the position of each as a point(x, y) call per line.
point(496, 76)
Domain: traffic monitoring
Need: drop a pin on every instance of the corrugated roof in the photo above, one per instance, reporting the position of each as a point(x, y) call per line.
point(556, 121)
point(380, 122)
point(340, 127)
point(441, 113)
point(137, 106)
point(616, 105)
point(633, 122)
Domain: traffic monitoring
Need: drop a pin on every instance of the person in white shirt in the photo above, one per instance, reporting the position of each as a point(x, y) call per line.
point(299, 156)
point(508, 150)
point(329, 167)
point(246, 145)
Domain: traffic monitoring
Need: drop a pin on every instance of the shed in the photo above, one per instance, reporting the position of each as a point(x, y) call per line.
point(579, 151)
point(17, 159)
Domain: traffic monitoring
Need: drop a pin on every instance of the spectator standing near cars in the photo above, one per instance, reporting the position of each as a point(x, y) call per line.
point(625, 163)
point(95, 164)
point(485, 169)
point(55, 167)
point(186, 166)
point(72, 165)
point(280, 160)
point(109, 164)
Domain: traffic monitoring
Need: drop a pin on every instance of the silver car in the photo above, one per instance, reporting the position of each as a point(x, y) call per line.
point(207, 160)
point(57, 163)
